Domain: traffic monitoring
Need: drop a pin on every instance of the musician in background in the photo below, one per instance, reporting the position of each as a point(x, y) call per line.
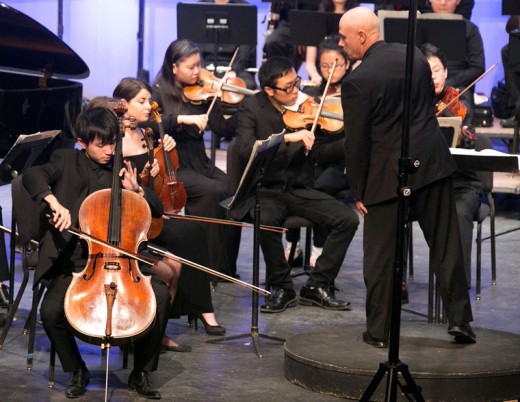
point(511, 74)
point(246, 56)
point(288, 189)
point(329, 6)
point(205, 184)
point(60, 187)
point(461, 73)
point(278, 34)
point(464, 7)
point(467, 186)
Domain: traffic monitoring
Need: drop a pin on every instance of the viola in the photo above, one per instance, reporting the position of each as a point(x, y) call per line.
point(449, 105)
point(153, 183)
point(208, 86)
point(173, 194)
point(330, 119)
point(111, 300)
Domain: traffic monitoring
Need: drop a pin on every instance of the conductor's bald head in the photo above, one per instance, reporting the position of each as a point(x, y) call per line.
point(359, 29)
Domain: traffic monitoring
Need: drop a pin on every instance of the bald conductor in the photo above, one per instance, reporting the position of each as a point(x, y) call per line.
point(372, 100)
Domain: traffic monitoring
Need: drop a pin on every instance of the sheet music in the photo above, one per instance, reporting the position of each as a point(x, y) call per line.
point(487, 155)
point(259, 146)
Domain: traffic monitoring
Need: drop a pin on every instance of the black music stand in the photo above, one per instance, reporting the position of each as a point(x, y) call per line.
point(510, 7)
point(448, 35)
point(309, 28)
point(22, 155)
point(261, 156)
point(394, 366)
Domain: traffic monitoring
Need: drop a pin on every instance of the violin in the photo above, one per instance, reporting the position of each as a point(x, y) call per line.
point(449, 105)
point(330, 119)
point(173, 194)
point(111, 300)
point(208, 86)
point(153, 183)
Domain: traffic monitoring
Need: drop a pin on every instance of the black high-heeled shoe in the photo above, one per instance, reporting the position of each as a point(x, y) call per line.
point(210, 329)
point(4, 296)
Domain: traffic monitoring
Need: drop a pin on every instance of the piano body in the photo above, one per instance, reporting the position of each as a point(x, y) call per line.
point(34, 96)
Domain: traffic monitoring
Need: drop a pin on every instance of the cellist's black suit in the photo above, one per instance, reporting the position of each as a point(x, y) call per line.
point(71, 176)
point(372, 99)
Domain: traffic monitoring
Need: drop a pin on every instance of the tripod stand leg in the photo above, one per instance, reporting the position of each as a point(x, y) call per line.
point(411, 387)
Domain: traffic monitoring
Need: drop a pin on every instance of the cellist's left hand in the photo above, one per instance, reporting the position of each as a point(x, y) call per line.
point(129, 177)
point(168, 143)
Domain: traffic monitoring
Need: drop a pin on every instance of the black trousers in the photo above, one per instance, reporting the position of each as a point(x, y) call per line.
point(340, 220)
point(147, 347)
point(434, 208)
point(204, 195)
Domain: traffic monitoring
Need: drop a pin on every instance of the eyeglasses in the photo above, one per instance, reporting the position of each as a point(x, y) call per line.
point(329, 66)
point(290, 88)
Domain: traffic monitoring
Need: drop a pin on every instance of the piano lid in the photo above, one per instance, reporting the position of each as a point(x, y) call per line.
point(28, 47)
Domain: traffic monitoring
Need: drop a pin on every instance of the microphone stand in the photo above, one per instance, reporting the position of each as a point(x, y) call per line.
point(394, 366)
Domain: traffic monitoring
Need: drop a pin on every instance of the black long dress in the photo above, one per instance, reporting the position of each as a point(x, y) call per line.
point(186, 239)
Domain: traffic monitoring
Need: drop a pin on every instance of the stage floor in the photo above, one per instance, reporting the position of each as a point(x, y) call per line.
point(231, 371)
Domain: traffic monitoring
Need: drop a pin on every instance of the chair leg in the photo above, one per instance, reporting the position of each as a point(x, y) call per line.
point(52, 365)
point(14, 307)
point(479, 261)
point(492, 238)
point(32, 326)
point(308, 248)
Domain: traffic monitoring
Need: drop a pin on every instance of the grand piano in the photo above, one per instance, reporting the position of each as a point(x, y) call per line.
point(34, 94)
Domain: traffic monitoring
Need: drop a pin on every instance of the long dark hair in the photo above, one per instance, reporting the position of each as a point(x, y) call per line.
point(328, 5)
point(171, 94)
point(128, 88)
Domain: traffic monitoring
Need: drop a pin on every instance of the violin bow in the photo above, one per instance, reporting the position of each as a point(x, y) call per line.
point(275, 229)
point(222, 82)
point(152, 261)
point(323, 98)
point(442, 109)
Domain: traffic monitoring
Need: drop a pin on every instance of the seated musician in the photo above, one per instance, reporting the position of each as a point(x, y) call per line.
point(246, 56)
point(184, 238)
point(61, 186)
point(468, 188)
point(287, 189)
point(328, 154)
point(461, 73)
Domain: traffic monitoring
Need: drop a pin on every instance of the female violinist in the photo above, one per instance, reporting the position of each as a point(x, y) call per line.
point(468, 188)
point(311, 54)
point(189, 287)
point(327, 152)
point(205, 184)
point(61, 186)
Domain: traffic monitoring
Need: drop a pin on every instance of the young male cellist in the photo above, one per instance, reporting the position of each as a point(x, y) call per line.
point(60, 187)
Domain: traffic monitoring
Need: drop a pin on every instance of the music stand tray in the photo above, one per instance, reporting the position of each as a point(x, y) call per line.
point(261, 156)
point(24, 152)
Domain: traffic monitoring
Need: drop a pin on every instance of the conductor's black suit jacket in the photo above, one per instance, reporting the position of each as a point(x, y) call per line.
point(66, 176)
point(372, 100)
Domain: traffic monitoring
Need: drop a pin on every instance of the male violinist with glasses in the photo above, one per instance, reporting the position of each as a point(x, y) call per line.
point(288, 189)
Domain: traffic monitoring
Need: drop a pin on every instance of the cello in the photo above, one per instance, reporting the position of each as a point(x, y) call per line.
point(173, 194)
point(111, 300)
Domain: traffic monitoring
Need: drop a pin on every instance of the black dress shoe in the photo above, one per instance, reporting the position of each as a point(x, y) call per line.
point(376, 343)
point(176, 348)
point(279, 300)
point(509, 122)
point(462, 333)
point(4, 296)
point(78, 383)
point(321, 297)
point(140, 381)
